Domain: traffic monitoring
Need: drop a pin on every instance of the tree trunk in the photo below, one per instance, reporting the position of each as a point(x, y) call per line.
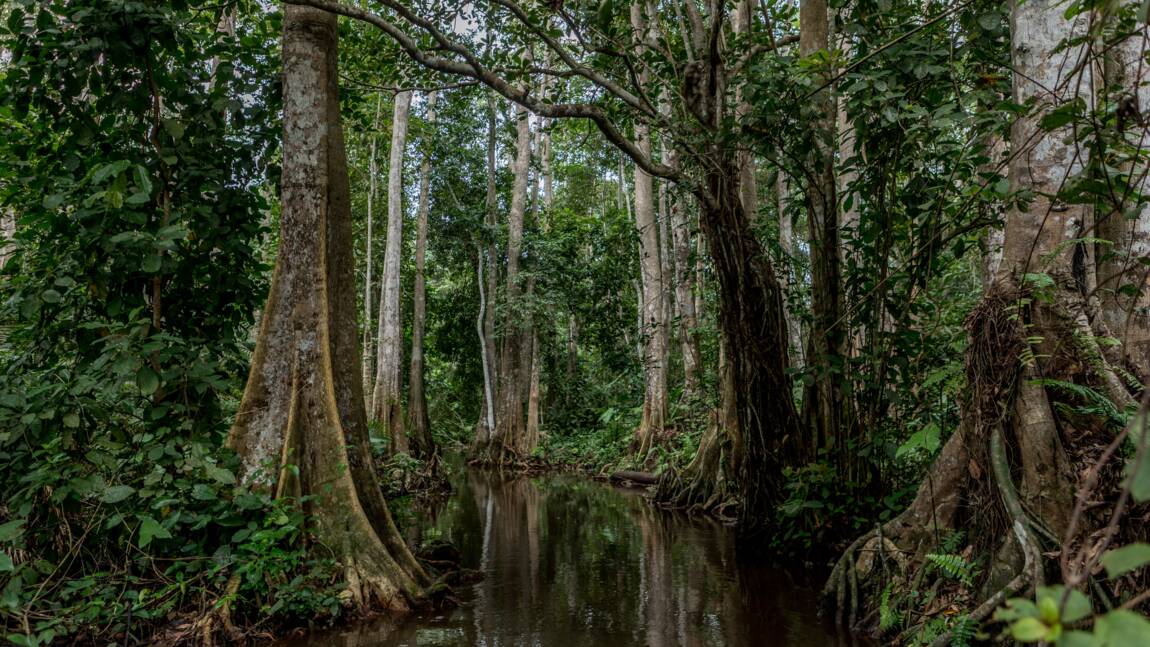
point(303, 404)
point(653, 328)
point(387, 404)
point(1122, 269)
point(7, 234)
point(755, 338)
point(419, 425)
point(684, 278)
point(535, 390)
point(507, 443)
point(823, 401)
point(372, 183)
point(787, 244)
point(488, 257)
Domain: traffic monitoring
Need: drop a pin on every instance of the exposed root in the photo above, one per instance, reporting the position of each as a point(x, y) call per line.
point(703, 485)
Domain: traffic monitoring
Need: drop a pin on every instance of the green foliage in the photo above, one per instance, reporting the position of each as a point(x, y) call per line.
point(138, 149)
point(1090, 402)
point(955, 567)
point(1120, 561)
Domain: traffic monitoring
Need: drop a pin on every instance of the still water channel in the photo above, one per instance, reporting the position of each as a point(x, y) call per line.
point(569, 561)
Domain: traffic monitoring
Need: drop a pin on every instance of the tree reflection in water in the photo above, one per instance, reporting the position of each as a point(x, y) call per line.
point(569, 561)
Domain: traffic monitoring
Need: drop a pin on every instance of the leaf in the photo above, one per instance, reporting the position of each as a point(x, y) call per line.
point(11, 530)
point(147, 380)
point(174, 128)
point(117, 493)
point(1029, 630)
point(109, 170)
point(1122, 629)
point(151, 264)
point(1138, 481)
point(1126, 559)
point(50, 296)
point(6, 564)
point(1016, 608)
point(220, 475)
point(52, 201)
point(1076, 608)
point(203, 492)
point(151, 529)
point(1077, 639)
point(71, 420)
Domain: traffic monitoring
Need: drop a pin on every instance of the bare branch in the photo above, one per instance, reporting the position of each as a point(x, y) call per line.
point(471, 67)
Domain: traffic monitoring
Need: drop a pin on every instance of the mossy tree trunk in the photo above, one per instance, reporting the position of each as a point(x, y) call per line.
point(303, 405)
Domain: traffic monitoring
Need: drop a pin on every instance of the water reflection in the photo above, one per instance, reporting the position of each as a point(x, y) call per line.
point(574, 562)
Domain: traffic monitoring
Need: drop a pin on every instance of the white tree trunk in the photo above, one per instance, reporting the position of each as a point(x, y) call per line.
point(387, 405)
point(372, 191)
point(423, 445)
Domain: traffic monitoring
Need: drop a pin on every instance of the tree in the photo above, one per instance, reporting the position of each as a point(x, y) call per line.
point(301, 427)
point(653, 310)
point(369, 256)
point(751, 307)
point(386, 401)
point(507, 443)
point(1033, 332)
point(419, 424)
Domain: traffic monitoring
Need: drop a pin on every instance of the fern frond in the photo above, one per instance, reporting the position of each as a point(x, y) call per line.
point(955, 567)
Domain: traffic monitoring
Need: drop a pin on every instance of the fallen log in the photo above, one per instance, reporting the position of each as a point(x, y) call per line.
point(642, 478)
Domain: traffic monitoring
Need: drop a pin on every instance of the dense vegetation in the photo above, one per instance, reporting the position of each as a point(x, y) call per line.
point(867, 277)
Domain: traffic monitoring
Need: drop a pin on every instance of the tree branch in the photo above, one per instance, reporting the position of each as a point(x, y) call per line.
point(471, 67)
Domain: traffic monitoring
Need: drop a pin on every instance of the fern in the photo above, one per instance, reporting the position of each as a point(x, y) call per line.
point(1096, 404)
point(954, 567)
point(962, 633)
point(888, 617)
point(953, 541)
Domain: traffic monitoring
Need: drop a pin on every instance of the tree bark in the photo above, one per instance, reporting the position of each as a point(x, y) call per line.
point(303, 404)
point(507, 443)
point(419, 424)
point(823, 401)
point(488, 257)
point(653, 328)
point(790, 281)
point(534, 413)
point(372, 183)
point(387, 403)
point(1122, 272)
point(755, 338)
point(684, 279)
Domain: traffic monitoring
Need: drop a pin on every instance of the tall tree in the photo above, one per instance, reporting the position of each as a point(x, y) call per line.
point(507, 443)
point(823, 401)
point(386, 401)
point(303, 405)
point(653, 324)
point(369, 255)
point(419, 425)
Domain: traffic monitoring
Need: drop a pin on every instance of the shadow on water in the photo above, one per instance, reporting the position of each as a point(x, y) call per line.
point(569, 561)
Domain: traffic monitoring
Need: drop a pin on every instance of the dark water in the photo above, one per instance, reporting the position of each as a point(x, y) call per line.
point(569, 561)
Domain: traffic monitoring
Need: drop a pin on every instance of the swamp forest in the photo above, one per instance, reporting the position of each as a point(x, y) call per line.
point(575, 322)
